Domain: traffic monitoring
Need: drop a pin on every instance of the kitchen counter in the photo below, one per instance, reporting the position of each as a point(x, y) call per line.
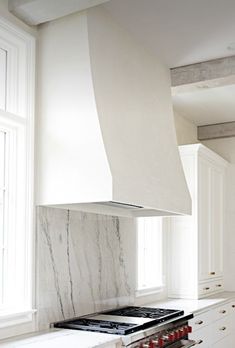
point(194, 306)
point(61, 338)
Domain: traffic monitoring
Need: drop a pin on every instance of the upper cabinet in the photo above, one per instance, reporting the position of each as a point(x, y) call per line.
point(3, 68)
point(196, 241)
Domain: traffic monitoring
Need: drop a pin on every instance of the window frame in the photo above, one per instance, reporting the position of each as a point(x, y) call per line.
point(154, 293)
point(19, 119)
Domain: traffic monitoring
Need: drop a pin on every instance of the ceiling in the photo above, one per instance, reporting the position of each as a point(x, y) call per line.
point(179, 32)
point(207, 106)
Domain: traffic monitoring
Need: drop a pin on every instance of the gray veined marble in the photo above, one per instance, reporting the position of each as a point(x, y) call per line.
point(85, 263)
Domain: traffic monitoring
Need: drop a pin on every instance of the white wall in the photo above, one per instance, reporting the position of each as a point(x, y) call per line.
point(186, 131)
point(186, 134)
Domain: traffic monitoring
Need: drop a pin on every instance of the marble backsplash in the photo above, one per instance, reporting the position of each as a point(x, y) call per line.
point(85, 263)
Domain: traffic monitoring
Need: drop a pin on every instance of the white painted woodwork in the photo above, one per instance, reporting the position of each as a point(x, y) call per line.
point(3, 77)
point(195, 243)
point(34, 12)
point(204, 201)
point(106, 130)
point(215, 327)
point(17, 122)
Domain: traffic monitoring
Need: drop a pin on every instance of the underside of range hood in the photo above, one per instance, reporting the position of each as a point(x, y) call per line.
point(107, 142)
point(115, 208)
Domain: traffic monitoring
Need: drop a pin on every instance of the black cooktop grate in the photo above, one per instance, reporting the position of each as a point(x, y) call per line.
point(121, 326)
point(98, 326)
point(146, 312)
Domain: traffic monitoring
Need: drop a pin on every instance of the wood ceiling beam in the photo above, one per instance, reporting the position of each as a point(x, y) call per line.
point(210, 74)
point(205, 71)
point(216, 131)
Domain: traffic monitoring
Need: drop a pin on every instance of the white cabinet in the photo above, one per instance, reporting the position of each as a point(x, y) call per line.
point(215, 328)
point(3, 78)
point(196, 242)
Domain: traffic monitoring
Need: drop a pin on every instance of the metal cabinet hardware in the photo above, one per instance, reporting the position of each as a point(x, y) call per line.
point(223, 311)
point(223, 328)
point(199, 322)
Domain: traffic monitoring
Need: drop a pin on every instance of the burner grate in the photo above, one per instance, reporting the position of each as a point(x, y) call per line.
point(111, 327)
point(146, 312)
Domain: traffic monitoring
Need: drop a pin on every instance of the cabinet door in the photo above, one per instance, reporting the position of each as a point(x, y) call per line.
point(216, 230)
point(203, 337)
point(3, 68)
point(226, 342)
point(204, 219)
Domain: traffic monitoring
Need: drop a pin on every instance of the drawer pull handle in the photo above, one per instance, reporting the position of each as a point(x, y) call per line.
point(218, 285)
point(212, 273)
point(223, 328)
point(199, 342)
point(199, 322)
point(207, 288)
point(223, 311)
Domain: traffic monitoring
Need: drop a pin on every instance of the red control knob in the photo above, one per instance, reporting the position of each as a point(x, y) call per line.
point(177, 334)
point(171, 337)
point(160, 342)
point(189, 329)
point(151, 344)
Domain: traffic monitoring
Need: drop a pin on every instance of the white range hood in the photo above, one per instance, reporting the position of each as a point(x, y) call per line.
point(107, 141)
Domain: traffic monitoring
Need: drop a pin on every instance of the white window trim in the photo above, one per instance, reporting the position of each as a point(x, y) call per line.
point(23, 320)
point(148, 295)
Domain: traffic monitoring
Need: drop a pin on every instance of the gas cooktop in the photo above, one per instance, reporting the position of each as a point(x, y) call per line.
point(122, 321)
point(161, 314)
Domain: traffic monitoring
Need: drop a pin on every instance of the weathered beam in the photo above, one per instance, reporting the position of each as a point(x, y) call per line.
point(197, 86)
point(216, 131)
point(203, 72)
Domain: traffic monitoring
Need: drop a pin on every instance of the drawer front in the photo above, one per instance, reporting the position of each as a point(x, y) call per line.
point(222, 311)
point(202, 336)
point(226, 342)
point(201, 320)
point(221, 328)
point(232, 308)
point(208, 288)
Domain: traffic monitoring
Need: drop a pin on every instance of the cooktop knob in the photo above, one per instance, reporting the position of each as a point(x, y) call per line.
point(155, 342)
point(166, 338)
point(151, 344)
point(177, 333)
point(189, 329)
point(171, 336)
point(160, 342)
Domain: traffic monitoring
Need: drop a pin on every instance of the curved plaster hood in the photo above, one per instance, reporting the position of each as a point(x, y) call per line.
point(107, 141)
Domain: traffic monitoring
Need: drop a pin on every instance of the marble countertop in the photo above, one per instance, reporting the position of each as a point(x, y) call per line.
point(194, 306)
point(61, 338)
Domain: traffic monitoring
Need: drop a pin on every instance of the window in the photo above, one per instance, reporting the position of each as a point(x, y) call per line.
point(16, 175)
point(149, 255)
